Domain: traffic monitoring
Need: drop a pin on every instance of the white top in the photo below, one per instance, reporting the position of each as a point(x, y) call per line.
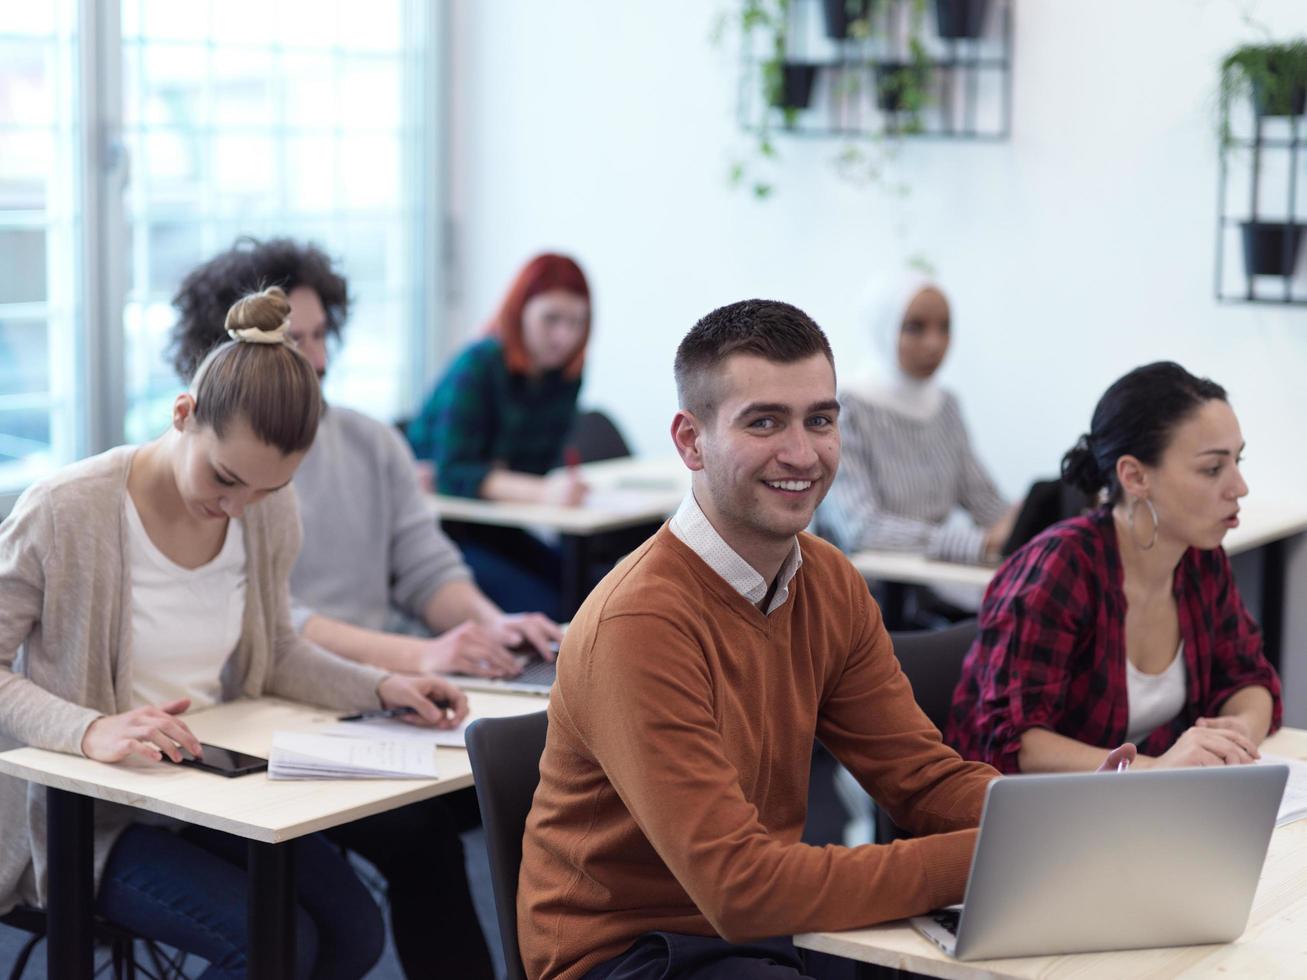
point(1154, 698)
point(692, 526)
point(185, 621)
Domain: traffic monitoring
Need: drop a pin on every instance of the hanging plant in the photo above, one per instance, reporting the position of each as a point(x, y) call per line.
point(785, 86)
point(1274, 76)
point(786, 83)
point(846, 18)
point(903, 87)
point(956, 19)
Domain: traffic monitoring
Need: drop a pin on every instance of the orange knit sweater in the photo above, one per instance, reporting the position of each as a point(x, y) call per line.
point(673, 786)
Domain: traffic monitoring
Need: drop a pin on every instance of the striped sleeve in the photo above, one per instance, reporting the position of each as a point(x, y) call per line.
point(854, 515)
point(977, 493)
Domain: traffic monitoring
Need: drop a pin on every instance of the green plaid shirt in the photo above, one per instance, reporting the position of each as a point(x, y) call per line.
point(481, 416)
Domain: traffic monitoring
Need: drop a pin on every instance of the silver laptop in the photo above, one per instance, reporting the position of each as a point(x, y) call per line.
point(1085, 862)
point(537, 676)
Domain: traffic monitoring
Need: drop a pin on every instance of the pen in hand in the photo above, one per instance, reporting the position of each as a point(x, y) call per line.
point(374, 713)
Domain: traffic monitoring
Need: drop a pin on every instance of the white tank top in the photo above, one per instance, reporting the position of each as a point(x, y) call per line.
point(1154, 698)
point(185, 621)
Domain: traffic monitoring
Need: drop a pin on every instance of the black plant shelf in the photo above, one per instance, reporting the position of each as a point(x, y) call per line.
point(967, 81)
point(1259, 250)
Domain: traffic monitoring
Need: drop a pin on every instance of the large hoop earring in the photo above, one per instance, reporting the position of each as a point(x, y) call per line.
point(1130, 520)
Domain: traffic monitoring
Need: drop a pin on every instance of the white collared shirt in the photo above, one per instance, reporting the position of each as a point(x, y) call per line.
point(692, 526)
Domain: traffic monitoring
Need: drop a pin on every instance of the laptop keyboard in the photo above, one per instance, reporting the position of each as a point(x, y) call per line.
point(538, 671)
point(948, 918)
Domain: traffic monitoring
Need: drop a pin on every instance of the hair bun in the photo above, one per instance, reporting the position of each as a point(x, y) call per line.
point(1080, 467)
point(260, 318)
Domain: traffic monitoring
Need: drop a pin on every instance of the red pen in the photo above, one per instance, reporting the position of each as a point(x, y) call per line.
point(572, 458)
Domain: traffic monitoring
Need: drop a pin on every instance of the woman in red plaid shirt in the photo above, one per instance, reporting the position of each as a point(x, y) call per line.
point(1125, 624)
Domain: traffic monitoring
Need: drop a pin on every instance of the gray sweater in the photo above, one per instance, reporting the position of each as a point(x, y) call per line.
point(900, 479)
point(370, 540)
point(65, 640)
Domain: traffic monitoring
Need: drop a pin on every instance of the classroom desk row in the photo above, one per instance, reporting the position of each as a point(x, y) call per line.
point(1265, 525)
point(269, 813)
point(636, 490)
point(266, 813)
point(624, 493)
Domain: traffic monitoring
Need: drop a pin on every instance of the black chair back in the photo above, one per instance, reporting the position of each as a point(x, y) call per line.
point(595, 438)
point(1046, 503)
point(932, 662)
point(505, 755)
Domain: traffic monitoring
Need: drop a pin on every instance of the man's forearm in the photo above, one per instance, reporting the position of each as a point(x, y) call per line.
point(389, 651)
point(457, 602)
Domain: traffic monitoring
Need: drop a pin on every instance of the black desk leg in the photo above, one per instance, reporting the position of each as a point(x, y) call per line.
point(870, 971)
point(1273, 600)
point(576, 572)
point(70, 949)
point(271, 911)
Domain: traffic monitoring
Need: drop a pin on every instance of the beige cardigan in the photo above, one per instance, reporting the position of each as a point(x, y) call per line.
point(65, 640)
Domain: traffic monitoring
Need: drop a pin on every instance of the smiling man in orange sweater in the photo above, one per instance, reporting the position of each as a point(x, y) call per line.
point(665, 835)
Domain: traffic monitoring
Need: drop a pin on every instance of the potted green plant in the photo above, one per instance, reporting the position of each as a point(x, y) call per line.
point(1274, 75)
point(789, 86)
point(1274, 78)
point(847, 18)
point(960, 18)
point(1270, 248)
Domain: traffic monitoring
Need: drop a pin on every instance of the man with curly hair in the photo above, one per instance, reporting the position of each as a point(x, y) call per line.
point(370, 546)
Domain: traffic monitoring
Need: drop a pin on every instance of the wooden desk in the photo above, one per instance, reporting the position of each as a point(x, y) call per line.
point(1273, 945)
point(624, 493)
point(1262, 524)
point(265, 812)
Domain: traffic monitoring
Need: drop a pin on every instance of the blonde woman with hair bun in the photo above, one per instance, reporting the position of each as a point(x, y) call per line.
point(150, 580)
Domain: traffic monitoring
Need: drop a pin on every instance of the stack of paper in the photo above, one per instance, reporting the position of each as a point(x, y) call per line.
point(298, 756)
point(1293, 805)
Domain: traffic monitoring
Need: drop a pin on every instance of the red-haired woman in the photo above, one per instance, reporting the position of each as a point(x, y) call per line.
point(496, 422)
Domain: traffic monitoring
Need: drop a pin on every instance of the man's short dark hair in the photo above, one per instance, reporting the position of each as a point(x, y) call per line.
point(250, 265)
point(765, 328)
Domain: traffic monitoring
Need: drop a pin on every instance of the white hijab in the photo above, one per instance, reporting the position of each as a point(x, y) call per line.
point(885, 384)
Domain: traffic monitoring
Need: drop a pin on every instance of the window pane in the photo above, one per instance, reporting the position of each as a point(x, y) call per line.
point(284, 118)
point(26, 161)
point(27, 96)
point(38, 229)
point(310, 90)
point(24, 357)
point(22, 257)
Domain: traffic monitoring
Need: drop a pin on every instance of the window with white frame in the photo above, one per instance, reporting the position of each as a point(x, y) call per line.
point(303, 118)
point(39, 346)
point(286, 118)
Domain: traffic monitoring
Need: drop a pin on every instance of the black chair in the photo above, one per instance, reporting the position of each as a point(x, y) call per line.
point(932, 662)
point(595, 438)
point(120, 942)
point(505, 755)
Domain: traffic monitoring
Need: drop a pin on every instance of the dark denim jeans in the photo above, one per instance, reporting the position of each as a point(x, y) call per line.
point(518, 571)
point(188, 890)
point(668, 955)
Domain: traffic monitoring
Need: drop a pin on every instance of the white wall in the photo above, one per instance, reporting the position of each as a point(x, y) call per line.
point(1078, 249)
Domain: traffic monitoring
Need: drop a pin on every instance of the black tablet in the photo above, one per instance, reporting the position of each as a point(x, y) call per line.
point(225, 762)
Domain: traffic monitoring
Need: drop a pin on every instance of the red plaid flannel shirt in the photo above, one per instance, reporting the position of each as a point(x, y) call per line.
point(1051, 648)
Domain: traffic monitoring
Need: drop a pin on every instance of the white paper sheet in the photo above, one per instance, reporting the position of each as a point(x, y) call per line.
point(296, 755)
point(1293, 805)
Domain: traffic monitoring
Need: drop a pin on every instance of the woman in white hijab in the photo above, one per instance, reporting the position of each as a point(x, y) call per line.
point(907, 462)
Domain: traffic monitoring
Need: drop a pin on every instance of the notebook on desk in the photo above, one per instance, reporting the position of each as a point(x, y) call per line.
point(1086, 862)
